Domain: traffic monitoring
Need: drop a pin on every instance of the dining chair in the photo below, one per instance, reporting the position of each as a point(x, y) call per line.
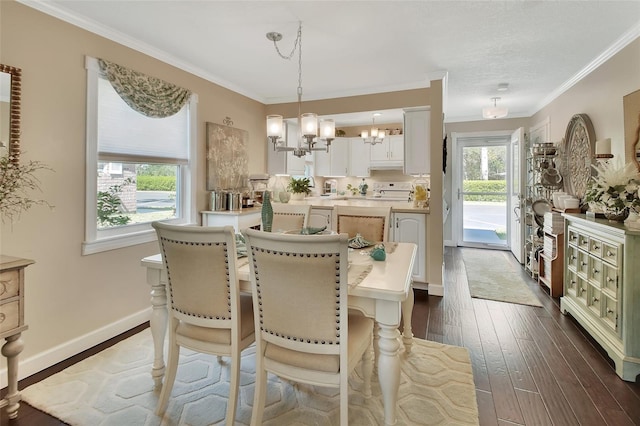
point(372, 223)
point(287, 217)
point(207, 312)
point(303, 330)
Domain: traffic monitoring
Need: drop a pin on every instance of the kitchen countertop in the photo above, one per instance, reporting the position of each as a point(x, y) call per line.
point(329, 202)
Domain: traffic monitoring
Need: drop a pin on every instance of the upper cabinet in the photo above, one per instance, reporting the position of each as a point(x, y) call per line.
point(285, 163)
point(336, 161)
point(389, 153)
point(359, 157)
point(417, 144)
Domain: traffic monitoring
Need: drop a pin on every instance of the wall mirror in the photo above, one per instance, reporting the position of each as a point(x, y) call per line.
point(631, 105)
point(10, 85)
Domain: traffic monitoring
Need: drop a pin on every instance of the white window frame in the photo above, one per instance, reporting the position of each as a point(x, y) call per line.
point(98, 240)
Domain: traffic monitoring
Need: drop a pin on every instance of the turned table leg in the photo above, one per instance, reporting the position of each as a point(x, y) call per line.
point(158, 322)
point(407, 312)
point(10, 350)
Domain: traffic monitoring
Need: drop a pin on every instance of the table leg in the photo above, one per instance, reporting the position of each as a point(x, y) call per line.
point(389, 369)
point(10, 350)
point(407, 312)
point(158, 322)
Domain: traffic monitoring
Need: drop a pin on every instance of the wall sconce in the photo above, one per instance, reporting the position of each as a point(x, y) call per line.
point(603, 149)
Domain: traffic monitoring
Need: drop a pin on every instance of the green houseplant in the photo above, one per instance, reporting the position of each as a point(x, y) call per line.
point(299, 187)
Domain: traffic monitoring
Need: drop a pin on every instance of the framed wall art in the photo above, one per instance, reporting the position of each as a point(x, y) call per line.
point(227, 157)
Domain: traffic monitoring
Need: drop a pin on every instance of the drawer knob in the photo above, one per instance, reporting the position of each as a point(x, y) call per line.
point(573, 282)
point(596, 247)
point(582, 290)
point(573, 257)
point(609, 310)
point(595, 299)
point(609, 253)
point(595, 271)
point(609, 279)
point(583, 263)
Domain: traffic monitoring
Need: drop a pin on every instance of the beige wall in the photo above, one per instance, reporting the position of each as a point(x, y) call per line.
point(69, 296)
point(599, 95)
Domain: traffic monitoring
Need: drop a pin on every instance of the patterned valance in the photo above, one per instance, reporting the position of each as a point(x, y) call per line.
point(148, 95)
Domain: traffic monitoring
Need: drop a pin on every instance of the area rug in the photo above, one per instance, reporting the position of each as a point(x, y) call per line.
point(114, 387)
point(491, 276)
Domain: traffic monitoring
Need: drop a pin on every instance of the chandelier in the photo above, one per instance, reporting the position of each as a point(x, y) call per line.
point(307, 122)
point(377, 135)
point(494, 111)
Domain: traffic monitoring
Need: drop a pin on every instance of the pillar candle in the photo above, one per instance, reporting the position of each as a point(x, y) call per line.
point(603, 146)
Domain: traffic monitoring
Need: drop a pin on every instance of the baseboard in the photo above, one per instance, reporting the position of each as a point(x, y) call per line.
point(44, 360)
point(436, 290)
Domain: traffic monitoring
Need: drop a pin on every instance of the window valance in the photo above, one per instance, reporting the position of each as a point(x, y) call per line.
point(148, 95)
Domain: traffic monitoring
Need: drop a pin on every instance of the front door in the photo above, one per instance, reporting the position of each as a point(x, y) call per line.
point(482, 204)
point(517, 180)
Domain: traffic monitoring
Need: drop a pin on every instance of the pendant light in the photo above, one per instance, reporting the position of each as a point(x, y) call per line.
point(377, 135)
point(494, 111)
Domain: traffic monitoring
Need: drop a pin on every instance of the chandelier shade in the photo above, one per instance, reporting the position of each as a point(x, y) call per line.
point(377, 135)
point(494, 111)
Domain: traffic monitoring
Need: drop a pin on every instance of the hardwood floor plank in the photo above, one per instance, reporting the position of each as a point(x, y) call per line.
point(550, 392)
point(518, 370)
point(486, 410)
point(471, 339)
point(504, 396)
point(533, 409)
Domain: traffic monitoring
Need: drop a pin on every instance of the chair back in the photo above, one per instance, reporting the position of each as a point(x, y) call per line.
point(201, 273)
point(288, 217)
point(299, 290)
point(371, 222)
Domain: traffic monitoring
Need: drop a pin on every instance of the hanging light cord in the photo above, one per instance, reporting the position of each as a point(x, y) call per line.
point(297, 44)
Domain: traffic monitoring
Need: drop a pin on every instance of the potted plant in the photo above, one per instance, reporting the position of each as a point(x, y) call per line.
point(299, 188)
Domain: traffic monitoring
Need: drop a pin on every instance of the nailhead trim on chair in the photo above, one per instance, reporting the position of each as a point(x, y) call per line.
point(191, 243)
point(282, 253)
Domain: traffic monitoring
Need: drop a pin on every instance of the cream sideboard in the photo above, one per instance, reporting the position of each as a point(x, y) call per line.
point(602, 287)
point(12, 324)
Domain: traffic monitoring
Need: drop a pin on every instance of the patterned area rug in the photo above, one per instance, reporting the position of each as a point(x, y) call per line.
point(491, 276)
point(115, 387)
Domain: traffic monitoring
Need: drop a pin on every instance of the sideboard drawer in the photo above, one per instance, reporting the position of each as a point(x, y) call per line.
point(595, 247)
point(583, 242)
point(583, 263)
point(571, 283)
point(610, 314)
point(610, 278)
point(9, 284)
point(9, 316)
point(573, 237)
point(595, 271)
point(610, 253)
point(572, 257)
point(594, 300)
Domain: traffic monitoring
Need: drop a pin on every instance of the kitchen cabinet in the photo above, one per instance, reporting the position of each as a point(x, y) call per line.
point(359, 157)
point(411, 228)
point(320, 217)
point(601, 287)
point(389, 153)
point(284, 162)
point(336, 161)
point(239, 219)
point(417, 156)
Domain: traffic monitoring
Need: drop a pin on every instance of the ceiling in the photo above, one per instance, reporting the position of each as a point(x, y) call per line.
point(539, 48)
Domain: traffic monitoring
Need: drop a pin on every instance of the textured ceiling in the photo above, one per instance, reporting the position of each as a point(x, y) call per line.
point(359, 47)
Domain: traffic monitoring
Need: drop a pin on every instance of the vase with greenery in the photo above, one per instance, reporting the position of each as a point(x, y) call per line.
point(299, 187)
point(614, 190)
point(17, 181)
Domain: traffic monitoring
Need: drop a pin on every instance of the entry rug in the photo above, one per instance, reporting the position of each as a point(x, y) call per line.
point(491, 276)
point(114, 387)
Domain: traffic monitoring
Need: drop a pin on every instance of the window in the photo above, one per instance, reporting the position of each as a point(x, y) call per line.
point(139, 168)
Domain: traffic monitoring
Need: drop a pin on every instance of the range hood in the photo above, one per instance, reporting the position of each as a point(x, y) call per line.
point(386, 165)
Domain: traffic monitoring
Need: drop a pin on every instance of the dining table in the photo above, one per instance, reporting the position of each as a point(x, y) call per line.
point(381, 290)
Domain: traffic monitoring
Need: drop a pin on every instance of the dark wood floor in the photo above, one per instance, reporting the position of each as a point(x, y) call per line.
point(531, 366)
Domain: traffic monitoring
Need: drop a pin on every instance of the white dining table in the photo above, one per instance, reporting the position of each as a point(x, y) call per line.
point(384, 294)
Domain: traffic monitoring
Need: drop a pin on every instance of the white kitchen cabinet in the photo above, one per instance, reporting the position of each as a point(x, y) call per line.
point(359, 157)
point(320, 217)
point(388, 153)
point(417, 158)
point(285, 163)
point(411, 228)
point(336, 161)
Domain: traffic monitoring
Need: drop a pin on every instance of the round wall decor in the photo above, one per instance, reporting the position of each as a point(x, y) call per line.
point(580, 141)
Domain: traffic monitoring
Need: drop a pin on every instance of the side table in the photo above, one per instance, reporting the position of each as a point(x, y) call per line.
point(12, 324)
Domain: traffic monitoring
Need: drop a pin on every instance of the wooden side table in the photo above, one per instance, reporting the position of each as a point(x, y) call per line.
point(12, 324)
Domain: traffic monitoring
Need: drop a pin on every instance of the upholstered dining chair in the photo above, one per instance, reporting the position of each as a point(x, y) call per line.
point(290, 216)
point(371, 222)
point(207, 313)
point(303, 330)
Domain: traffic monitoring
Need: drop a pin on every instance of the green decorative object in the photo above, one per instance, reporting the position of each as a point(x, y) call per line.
point(378, 252)
point(267, 212)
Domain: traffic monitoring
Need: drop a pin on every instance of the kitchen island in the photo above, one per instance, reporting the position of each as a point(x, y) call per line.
point(408, 224)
